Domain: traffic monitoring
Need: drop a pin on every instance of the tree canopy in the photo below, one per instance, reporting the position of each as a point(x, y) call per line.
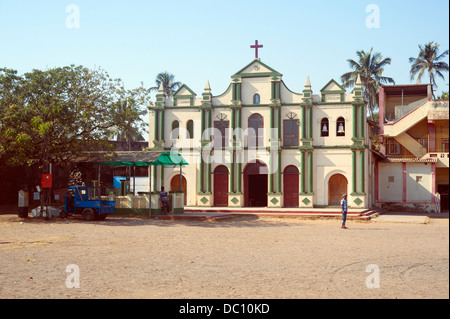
point(53, 115)
point(370, 67)
point(169, 85)
point(429, 60)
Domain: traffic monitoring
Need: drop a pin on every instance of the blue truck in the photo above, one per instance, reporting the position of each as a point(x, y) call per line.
point(88, 202)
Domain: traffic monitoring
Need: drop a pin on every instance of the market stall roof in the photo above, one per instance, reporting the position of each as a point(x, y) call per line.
point(170, 158)
point(130, 158)
point(120, 158)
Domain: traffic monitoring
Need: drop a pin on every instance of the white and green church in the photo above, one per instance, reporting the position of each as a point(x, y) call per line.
point(261, 144)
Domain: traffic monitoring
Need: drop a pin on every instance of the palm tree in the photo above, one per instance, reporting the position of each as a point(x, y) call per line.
point(429, 60)
point(369, 67)
point(129, 108)
point(168, 82)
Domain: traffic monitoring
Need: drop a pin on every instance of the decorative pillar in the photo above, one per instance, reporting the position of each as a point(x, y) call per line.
point(310, 122)
point(155, 126)
point(272, 137)
point(354, 117)
point(208, 172)
point(303, 123)
point(310, 173)
point(302, 172)
point(159, 117)
point(279, 172)
point(353, 171)
point(201, 175)
point(161, 125)
point(270, 172)
point(278, 144)
point(208, 176)
point(231, 179)
point(279, 123)
point(362, 121)
point(306, 195)
point(202, 123)
point(239, 174)
point(239, 154)
point(238, 91)
point(233, 151)
point(361, 170)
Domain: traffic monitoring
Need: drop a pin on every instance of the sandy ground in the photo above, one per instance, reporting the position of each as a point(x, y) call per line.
point(245, 257)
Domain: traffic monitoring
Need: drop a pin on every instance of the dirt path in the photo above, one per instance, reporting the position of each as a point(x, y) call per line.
point(239, 258)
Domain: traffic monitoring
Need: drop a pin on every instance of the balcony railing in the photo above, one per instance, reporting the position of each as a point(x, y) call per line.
point(402, 110)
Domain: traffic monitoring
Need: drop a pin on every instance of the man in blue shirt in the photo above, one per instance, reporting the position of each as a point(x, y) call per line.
point(344, 210)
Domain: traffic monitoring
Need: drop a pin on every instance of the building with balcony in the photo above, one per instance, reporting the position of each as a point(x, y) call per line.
point(260, 144)
point(414, 147)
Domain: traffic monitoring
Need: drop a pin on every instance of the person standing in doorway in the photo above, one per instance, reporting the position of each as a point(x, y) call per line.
point(344, 210)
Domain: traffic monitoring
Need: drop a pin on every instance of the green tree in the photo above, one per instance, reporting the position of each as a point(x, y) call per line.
point(370, 67)
point(53, 116)
point(429, 60)
point(168, 82)
point(443, 96)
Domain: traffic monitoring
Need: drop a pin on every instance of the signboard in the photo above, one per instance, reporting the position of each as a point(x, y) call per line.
point(46, 181)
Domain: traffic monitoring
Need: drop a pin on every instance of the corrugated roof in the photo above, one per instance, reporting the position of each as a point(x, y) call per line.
point(408, 89)
point(125, 156)
point(410, 160)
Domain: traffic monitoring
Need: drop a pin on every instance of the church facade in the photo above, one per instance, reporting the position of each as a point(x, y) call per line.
point(261, 144)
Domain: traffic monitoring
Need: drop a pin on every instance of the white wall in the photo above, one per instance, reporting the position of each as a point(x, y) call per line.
point(418, 182)
point(390, 191)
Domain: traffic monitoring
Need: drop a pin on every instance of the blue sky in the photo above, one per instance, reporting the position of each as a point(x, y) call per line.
point(210, 40)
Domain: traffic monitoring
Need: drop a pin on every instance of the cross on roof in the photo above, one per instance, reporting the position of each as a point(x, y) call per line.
point(256, 46)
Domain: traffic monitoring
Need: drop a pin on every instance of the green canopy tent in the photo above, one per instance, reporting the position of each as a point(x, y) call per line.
point(171, 158)
point(164, 159)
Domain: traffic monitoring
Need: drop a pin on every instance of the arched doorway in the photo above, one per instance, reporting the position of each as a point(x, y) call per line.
point(220, 186)
point(175, 185)
point(255, 184)
point(290, 186)
point(337, 186)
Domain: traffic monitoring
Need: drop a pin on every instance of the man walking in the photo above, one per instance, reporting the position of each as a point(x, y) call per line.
point(344, 210)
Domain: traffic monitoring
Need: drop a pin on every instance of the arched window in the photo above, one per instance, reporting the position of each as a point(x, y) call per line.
point(190, 129)
point(290, 130)
point(340, 127)
point(256, 99)
point(221, 125)
point(174, 135)
point(324, 127)
point(255, 130)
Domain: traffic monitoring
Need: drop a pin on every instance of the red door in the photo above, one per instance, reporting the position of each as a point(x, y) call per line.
point(290, 186)
point(175, 185)
point(255, 184)
point(337, 186)
point(221, 186)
